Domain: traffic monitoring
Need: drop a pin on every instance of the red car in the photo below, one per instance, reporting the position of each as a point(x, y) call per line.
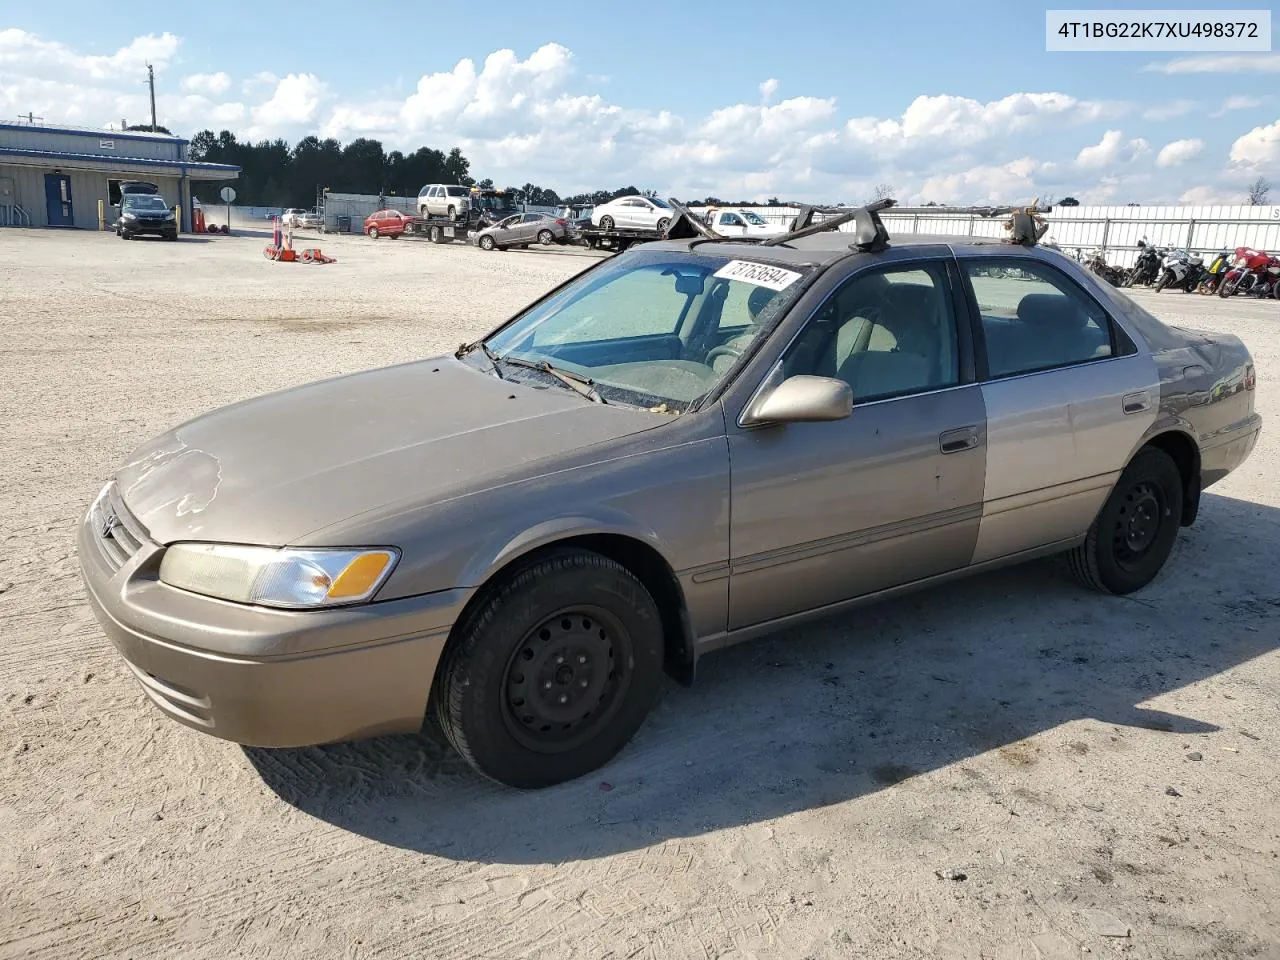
point(387, 223)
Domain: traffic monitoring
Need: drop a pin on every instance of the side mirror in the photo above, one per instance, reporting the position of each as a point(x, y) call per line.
point(803, 399)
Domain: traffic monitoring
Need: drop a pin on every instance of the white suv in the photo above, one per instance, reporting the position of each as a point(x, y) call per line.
point(444, 200)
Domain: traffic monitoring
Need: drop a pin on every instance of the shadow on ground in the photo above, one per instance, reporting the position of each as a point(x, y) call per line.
point(820, 715)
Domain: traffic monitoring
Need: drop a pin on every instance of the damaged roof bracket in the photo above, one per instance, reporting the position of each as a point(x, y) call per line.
point(686, 226)
point(869, 231)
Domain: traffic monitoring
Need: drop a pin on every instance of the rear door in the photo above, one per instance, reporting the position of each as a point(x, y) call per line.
point(1067, 397)
point(825, 512)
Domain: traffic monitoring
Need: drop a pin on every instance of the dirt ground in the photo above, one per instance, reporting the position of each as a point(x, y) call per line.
point(1008, 767)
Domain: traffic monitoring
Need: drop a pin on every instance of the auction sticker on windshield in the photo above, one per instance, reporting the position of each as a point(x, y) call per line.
point(758, 274)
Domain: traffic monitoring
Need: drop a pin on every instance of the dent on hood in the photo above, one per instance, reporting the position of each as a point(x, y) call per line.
point(168, 473)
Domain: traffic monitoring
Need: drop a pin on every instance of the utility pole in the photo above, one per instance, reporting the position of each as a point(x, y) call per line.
point(151, 82)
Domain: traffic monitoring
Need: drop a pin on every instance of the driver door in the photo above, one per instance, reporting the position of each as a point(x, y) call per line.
point(825, 512)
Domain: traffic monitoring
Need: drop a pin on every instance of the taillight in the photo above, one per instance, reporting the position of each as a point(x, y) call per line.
point(1250, 378)
point(561, 223)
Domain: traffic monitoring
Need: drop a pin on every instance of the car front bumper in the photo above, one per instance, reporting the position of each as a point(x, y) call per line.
point(157, 228)
point(260, 676)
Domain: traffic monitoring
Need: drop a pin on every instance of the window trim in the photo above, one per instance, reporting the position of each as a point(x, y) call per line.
point(1122, 344)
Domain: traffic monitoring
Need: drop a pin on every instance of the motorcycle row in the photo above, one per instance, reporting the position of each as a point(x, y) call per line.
point(1244, 271)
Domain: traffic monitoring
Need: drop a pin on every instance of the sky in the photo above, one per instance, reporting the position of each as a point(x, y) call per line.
point(944, 101)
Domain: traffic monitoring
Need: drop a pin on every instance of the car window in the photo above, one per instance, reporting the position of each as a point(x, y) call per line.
point(456, 191)
point(754, 218)
point(435, 192)
point(660, 203)
point(648, 327)
point(732, 220)
point(887, 332)
point(1034, 318)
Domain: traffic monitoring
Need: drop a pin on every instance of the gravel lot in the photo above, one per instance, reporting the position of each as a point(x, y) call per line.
point(1008, 767)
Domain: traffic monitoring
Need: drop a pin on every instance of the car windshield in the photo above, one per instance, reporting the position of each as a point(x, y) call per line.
point(659, 203)
point(652, 328)
point(144, 202)
point(754, 218)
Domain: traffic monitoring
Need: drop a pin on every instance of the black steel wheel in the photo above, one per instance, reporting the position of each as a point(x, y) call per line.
point(552, 671)
point(606, 223)
point(1134, 532)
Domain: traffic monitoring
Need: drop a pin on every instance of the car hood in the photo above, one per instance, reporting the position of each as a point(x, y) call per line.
point(273, 469)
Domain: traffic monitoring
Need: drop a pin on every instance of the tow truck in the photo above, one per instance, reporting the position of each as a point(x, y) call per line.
point(486, 208)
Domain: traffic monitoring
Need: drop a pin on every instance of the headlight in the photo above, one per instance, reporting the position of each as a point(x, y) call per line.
point(128, 216)
point(277, 578)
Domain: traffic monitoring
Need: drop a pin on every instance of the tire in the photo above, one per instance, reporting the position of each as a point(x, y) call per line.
point(570, 615)
point(663, 224)
point(1228, 287)
point(453, 213)
point(606, 223)
point(1132, 276)
point(1162, 282)
point(546, 238)
point(1135, 531)
point(373, 233)
point(486, 243)
point(171, 237)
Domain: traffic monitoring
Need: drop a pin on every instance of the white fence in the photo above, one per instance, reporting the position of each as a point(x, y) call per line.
point(1113, 230)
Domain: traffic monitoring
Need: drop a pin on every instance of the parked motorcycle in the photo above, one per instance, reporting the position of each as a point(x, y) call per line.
point(1097, 264)
point(1249, 271)
point(1180, 270)
point(1214, 273)
point(1147, 267)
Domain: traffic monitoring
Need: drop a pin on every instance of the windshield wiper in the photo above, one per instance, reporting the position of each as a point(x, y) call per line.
point(574, 381)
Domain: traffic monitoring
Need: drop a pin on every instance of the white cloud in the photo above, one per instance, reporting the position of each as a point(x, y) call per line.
point(209, 84)
point(1105, 151)
point(1221, 63)
point(1170, 110)
point(295, 101)
point(1239, 102)
point(1260, 146)
point(29, 55)
point(982, 184)
point(1209, 194)
point(768, 89)
point(1178, 152)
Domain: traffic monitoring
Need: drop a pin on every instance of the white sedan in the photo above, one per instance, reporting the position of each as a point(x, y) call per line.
point(633, 213)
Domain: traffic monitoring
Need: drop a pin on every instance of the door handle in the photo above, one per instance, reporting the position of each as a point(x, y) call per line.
point(961, 438)
point(1135, 402)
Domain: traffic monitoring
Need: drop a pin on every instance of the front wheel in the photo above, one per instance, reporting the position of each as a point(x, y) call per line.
point(663, 224)
point(546, 238)
point(1134, 533)
point(1228, 287)
point(487, 242)
point(373, 233)
point(553, 672)
point(1162, 282)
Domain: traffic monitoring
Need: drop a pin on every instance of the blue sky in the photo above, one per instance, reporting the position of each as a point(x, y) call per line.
point(957, 102)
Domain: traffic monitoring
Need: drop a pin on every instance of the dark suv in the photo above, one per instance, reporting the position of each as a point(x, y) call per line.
point(142, 213)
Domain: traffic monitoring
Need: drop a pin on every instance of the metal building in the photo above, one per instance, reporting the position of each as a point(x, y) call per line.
point(54, 176)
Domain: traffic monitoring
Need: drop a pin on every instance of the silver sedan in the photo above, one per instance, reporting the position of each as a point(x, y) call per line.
point(524, 230)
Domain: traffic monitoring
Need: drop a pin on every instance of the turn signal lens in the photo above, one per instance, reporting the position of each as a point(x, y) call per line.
point(1250, 377)
point(360, 576)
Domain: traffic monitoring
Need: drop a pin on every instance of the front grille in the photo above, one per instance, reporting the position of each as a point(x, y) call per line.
point(119, 534)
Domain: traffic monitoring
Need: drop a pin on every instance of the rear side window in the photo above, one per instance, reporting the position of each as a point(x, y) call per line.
point(456, 191)
point(1034, 318)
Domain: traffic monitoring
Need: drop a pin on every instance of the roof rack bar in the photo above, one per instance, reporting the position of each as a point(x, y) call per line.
point(969, 211)
point(870, 232)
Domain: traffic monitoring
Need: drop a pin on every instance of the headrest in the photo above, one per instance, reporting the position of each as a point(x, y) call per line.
point(758, 300)
point(1051, 310)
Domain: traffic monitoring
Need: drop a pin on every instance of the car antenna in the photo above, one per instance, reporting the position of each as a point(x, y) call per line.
point(871, 236)
point(688, 227)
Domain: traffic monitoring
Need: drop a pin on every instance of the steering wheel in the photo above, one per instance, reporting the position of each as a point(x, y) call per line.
point(724, 350)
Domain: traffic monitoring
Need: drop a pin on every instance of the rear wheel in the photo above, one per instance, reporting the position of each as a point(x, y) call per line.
point(546, 238)
point(553, 672)
point(606, 223)
point(1134, 533)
